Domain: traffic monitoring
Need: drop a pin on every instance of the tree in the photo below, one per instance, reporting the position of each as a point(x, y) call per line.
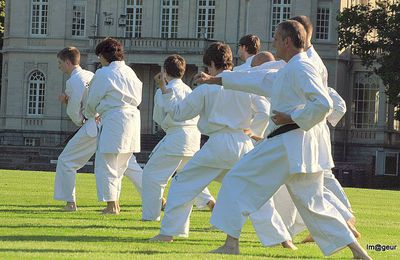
point(2, 14)
point(373, 33)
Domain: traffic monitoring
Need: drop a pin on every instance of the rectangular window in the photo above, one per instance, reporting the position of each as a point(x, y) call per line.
point(39, 17)
point(280, 12)
point(169, 18)
point(365, 104)
point(322, 26)
point(205, 18)
point(78, 19)
point(134, 17)
point(28, 141)
point(391, 163)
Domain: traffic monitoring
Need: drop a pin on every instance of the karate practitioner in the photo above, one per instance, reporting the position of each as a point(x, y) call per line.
point(249, 45)
point(224, 116)
point(181, 141)
point(267, 217)
point(331, 184)
point(114, 94)
point(290, 154)
point(287, 210)
point(82, 145)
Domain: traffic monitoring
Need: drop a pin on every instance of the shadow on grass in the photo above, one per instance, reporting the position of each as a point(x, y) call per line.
point(76, 227)
point(28, 250)
point(74, 238)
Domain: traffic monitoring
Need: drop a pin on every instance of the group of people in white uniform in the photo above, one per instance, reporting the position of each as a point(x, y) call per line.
point(268, 141)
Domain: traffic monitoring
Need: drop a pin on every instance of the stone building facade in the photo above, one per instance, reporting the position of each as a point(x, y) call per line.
point(35, 30)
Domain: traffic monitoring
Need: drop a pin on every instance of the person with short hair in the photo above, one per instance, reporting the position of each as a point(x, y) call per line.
point(248, 46)
point(334, 192)
point(224, 116)
point(289, 155)
point(115, 94)
point(181, 142)
point(81, 147)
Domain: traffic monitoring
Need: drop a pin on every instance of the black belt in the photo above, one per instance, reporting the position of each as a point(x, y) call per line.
point(283, 129)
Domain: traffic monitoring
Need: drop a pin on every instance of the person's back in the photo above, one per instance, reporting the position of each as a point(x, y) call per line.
point(181, 141)
point(119, 86)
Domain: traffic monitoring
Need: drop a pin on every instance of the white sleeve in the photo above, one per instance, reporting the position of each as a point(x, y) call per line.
point(339, 107)
point(257, 82)
point(74, 105)
point(158, 111)
point(187, 108)
point(318, 101)
point(97, 90)
point(261, 108)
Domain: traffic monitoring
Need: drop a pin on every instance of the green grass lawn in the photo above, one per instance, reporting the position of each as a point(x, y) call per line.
point(32, 225)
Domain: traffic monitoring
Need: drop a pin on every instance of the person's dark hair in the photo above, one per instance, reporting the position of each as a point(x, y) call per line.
point(251, 42)
point(295, 31)
point(110, 49)
point(306, 22)
point(220, 53)
point(175, 66)
point(70, 53)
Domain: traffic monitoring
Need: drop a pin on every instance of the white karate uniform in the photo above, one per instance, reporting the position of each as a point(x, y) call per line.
point(226, 145)
point(181, 141)
point(271, 227)
point(134, 173)
point(291, 158)
point(339, 109)
point(114, 94)
point(245, 66)
point(82, 145)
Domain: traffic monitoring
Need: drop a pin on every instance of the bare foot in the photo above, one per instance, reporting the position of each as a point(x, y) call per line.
point(211, 204)
point(111, 211)
point(308, 239)
point(289, 245)
point(229, 250)
point(358, 251)
point(161, 238)
point(163, 203)
point(353, 229)
point(112, 208)
point(70, 207)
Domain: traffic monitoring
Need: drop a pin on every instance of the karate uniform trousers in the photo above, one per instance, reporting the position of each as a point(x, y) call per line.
point(221, 152)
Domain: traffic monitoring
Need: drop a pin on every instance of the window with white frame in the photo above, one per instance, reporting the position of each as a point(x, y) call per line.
point(78, 19)
point(365, 104)
point(205, 18)
point(169, 18)
point(322, 25)
point(39, 17)
point(36, 90)
point(280, 12)
point(29, 141)
point(134, 17)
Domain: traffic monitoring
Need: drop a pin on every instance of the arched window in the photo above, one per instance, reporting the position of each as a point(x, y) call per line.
point(36, 89)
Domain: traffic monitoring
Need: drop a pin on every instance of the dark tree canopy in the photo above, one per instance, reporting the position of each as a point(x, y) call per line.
point(373, 33)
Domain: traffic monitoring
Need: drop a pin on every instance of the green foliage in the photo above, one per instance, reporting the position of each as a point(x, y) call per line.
point(33, 227)
point(373, 33)
point(2, 14)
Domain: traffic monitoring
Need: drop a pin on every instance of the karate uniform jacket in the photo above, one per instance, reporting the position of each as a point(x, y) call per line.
point(114, 94)
point(182, 137)
point(77, 89)
point(297, 90)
